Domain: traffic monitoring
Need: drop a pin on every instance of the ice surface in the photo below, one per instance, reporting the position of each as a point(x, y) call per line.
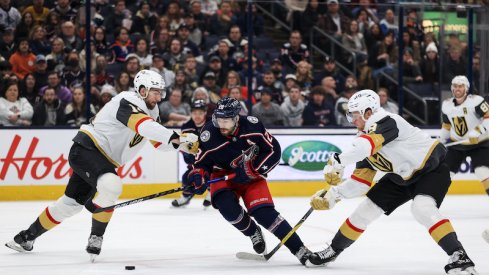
point(157, 239)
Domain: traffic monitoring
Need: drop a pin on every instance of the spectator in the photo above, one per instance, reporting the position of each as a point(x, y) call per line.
point(93, 57)
point(389, 23)
point(232, 80)
point(64, 11)
point(276, 68)
point(328, 85)
point(209, 83)
point(269, 85)
point(22, 60)
point(354, 41)
point(455, 65)
point(268, 112)
point(383, 56)
point(257, 20)
point(123, 82)
point(70, 37)
point(106, 94)
point(62, 93)
point(56, 58)
point(215, 66)
point(72, 73)
point(413, 25)
point(75, 112)
point(192, 71)
point(182, 85)
point(235, 92)
point(38, 11)
point(53, 26)
point(25, 26)
point(304, 75)
point(14, 110)
point(335, 22)
point(7, 45)
point(236, 39)
point(38, 41)
point(40, 71)
point(142, 53)
point(9, 16)
point(132, 66)
point(195, 34)
point(122, 45)
point(29, 89)
point(411, 70)
point(366, 5)
point(341, 105)
point(174, 112)
point(292, 108)
point(189, 47)
point(256, 74)
point(161, 42)
point(227, 61)
point(329, 69)
point(101, 44)
point(159, 66)
point(114, 20)
point(102, 76)
point(202, 94)
point(364, 21)
point(373, 36)
point(318, 112)
point(313, 14)
point(175, 54)
point(144, 20)
point(198, 16)
point(385, 101)
point(175, 17)
point(49, 111)
point(409, 42)
point(293, 52)
point(290, 81)
point(209, 7)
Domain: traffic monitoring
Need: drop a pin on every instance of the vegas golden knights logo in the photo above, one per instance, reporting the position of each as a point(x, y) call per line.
point(460, 125)
point(135, 140)
point(380, 162)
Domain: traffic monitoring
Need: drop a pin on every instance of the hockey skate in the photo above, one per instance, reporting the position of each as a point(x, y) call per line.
point(303, 254)
point(207, 200)
point(460, 263)
point(322, 257)
point(94, 246)
point(22, 242)
point(258, 241)
point(183, 200)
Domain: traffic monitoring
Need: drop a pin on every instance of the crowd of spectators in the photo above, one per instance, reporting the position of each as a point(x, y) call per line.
point(200, 48)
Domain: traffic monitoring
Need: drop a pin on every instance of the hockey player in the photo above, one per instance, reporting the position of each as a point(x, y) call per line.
point(241, 144)
point(466, 117)
point(111, 139)
point(194, 125)
point(414, 167)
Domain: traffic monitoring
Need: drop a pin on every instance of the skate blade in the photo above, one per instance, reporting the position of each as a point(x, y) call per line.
point(15, 246)
point(93, 257)
point(250, 256)
point(311, 265)
point(458, 271)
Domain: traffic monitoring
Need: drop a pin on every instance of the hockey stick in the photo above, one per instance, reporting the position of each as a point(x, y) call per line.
point(456, 142)
point(266, 257)
point(156, 195)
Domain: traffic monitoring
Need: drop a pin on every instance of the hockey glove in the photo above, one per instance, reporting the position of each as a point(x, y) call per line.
point(189, 143)
point(333, 171)
point(245, 172)
point(327, 201)
point(475, 134)
point(197, 179)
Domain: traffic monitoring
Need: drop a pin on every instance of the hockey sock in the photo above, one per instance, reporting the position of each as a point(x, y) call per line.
point(99, 220)
point(444, 234)
point(269, 218)
point(228, 205)
point(346, 236)
point(43, 223)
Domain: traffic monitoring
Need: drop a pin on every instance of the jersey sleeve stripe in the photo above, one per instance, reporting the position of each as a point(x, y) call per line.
point(210, 151)
point(136, 120)
point(364, 181)
point(371, 143)
point(364, 175)
point(446, 126)
point(155, 144)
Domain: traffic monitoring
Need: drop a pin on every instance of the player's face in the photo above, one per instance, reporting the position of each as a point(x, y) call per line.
point(458, 90)
point(198, 116)
point(154, 96)
point(356, 119)
point(226, 125)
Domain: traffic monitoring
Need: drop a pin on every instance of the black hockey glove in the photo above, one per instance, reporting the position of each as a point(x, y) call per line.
point(245, 172)
point(197, 179)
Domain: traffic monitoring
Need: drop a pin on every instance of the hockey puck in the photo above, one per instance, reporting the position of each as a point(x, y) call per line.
point(130, 267)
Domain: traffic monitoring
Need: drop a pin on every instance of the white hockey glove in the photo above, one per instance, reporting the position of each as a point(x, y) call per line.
point(444, 136)
point(189, 143)
point(333, 171)
point(319, 201)
point(475, 133)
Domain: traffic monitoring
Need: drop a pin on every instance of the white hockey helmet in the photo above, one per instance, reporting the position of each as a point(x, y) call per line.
point(361, 101)
point(149, 79)
point(460, 80)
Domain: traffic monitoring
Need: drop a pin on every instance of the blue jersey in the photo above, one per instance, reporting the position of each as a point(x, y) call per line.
point(190, 127)
point(217, 151)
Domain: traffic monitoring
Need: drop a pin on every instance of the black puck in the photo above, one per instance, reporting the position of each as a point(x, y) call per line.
point(130, 267)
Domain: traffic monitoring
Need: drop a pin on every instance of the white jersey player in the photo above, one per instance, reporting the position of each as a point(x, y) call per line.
point(111, 139)
point(414, 167)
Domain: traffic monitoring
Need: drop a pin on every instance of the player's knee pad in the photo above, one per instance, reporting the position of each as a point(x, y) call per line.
point(109, 188)
point(268, 217)
point(63, 208)
point(425, 211)
point(482, 173)
point(365, 213)
point(228, 206)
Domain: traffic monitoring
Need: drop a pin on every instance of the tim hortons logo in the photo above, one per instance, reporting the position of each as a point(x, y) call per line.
point(39, 167)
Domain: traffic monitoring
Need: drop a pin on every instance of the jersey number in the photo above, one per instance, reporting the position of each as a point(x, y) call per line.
point(485, 107)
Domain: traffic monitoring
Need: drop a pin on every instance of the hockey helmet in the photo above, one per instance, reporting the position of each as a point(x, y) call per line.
point(198, 104)
point(460, 80)
point(226, 108)
point(149, 79)
point(361, 101)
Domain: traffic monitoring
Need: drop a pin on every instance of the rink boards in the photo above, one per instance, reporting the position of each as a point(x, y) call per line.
point(34, 166)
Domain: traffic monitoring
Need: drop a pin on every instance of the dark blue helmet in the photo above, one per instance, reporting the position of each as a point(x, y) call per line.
point(227, 107)
point(198, 104)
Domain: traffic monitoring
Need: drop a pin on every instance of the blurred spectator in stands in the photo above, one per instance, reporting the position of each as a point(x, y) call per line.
point(257, 19)
point(292, 107)
point(409, 42)
point(144, 21)
point(70, 37)
point(364, 22)
point(313, 14)
point(62, 92)
point(304, 75)
point(5, 71)
point(235, 93)
point(430, 65)
point(318, 111)
point(94, 89)
point(329, 69)
point(429, 38)
point(142, 53)
point(209, 83)
point(411, 70)
point(367, 6)
point(276, 68)
point(208, 7)
point(385, 101)
point(38, 41)
point(389, 23)
point(25, 26)
point(9, 16)
point(256, 76)
point(101, 74)
point(14, 110)
point(199, 17)
point(293, 52)
point(41, 71)
point(476, 71)
point(175, 54)
point(267, 111)
point(289, 82)
point(123, 82)
point(175, 16)
point(373, 36)
point(56, 58)
point(93, 57)
point(203, 94)
point(354, 41)
point(455, 42)
point(383, 56)
point(329, 89)
point(222, 20)
point(122, 45)
point(341, 105)
point(269, 84)
point(189, 47)
point(192, 71)
point(106, 94)
point(162, 42)
point(233, 80)
point(414, 26)
point(159, 66)
point(215, 66)
point(22, 59)
point(72, 72)
point(228, 62)
point(174, 112)
point(101, 44)
point(236, 39)
point(76, 111)
point(115, 18)
point(454, 65)
point(7, 45)
point(50, 110)
point(29, 89)
point(38, 11)
point(53, 26)
point(182, 85)
point(65, 11)
point(335, 22)
point(132, 65)
point(195, 33)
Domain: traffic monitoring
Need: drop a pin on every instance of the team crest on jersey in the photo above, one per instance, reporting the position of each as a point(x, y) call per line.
point(460, 125)
point(135, 140)
point(205, 136)
point(381, 163)
point(252, 119)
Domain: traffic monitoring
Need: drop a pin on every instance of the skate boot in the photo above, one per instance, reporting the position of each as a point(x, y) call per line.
point(207, 200)
point(258, 241)
point(183, 200)
point(322, 257)
point(303, 254)
point(94, 246)
point(22, 242)
point(460, 263)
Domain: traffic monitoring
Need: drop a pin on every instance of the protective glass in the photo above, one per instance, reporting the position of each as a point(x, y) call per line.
point(225, 123)
point(352, 117)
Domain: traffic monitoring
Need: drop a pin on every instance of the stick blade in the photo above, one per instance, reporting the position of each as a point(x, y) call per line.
point(250, 256)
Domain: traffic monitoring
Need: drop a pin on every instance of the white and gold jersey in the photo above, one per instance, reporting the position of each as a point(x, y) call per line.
point(122, 127)
point(460, 119)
